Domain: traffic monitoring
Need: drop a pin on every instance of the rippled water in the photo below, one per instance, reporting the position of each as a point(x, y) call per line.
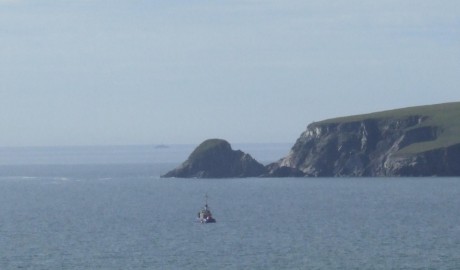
point(149, 223)
point(117, 216)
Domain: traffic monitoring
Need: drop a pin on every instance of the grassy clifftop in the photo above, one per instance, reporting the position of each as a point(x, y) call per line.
point(445, 118)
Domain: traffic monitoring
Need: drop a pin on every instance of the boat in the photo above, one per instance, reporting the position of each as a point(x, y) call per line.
point(205, 215)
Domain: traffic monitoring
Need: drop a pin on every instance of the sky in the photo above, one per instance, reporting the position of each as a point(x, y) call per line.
point(123, 72)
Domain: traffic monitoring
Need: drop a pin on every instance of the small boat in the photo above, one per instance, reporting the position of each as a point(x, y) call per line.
point(205, 215)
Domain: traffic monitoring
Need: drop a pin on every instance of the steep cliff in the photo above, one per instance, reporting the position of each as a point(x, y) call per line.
point(215, 158)
point(417, 141)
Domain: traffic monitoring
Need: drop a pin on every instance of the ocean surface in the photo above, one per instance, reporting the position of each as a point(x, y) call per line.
point(107, 208)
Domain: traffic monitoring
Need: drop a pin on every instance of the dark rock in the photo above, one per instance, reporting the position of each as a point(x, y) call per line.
point(438, 162)
point(283, 171)
point(215, 158)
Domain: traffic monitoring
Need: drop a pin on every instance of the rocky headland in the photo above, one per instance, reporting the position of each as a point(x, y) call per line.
point(416, 141)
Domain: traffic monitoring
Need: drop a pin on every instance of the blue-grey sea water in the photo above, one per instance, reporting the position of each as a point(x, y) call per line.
point(107, 208)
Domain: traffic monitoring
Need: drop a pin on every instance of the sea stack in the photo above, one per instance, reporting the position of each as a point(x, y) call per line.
point(214, 158)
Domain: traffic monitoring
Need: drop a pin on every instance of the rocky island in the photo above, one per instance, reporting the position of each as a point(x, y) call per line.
point(214, 158)
point(415, 141)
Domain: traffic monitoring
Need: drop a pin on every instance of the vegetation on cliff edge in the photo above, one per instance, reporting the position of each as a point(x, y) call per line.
point(445, 118)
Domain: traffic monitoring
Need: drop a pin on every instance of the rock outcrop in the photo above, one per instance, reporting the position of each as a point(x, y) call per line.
point(406, 142)
point(215, 158)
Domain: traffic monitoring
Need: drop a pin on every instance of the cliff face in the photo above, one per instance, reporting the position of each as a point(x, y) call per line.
point(388, 146)
point(215, 158)
point(439, 162)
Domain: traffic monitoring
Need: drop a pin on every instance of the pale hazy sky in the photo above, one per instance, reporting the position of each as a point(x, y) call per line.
point(88, 72)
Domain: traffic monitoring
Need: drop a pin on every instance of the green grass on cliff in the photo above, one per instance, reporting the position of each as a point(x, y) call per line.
point(445, 117)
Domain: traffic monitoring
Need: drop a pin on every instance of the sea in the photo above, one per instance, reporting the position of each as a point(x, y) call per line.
point(106, 207)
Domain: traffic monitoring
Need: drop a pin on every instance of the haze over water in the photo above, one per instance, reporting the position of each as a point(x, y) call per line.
point(135, 72)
